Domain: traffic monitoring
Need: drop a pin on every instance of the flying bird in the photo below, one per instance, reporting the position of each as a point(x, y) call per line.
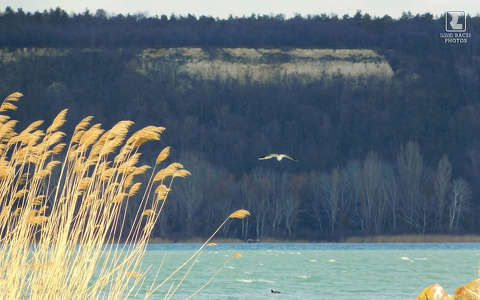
point(278, 156)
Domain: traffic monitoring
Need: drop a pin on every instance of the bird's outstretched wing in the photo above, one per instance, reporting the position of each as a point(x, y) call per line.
point(290, 157)
point(268, 156)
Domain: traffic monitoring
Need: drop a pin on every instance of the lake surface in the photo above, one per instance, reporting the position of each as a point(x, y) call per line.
point(315, 270)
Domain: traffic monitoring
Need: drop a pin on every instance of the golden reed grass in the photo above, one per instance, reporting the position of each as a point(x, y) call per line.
point(63, 209)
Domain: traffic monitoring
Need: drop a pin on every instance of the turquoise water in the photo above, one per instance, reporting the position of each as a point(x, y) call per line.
point(315, 271)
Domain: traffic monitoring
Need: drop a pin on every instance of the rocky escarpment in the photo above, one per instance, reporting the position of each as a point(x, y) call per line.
point(254, 64)
point(266, 64)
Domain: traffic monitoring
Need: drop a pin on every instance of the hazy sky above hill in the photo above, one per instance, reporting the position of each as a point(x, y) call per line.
point(223, 8)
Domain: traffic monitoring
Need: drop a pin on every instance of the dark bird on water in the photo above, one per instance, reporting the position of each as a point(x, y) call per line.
point(278, 156)
point(274, 291)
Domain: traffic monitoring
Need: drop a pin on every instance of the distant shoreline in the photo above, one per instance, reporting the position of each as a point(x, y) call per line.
point(401, 238)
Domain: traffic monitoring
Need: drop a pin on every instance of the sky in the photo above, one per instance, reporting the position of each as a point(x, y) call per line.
point(224, 8)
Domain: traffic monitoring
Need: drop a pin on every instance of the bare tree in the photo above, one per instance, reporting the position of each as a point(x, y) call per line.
point(327, 198)
point(279, 199)
point(411, 175)
point(441, 185)
point(460, 196)
point(247, 197)
point(390, 193)
point(334, 192)
point(353, 189)
point(257, 190)
point(373, 202)
point(292, 201)
point(221, 196)
point(190, 195)
point(315, 190)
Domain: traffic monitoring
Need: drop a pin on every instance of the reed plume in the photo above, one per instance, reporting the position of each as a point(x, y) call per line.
point(62, 204)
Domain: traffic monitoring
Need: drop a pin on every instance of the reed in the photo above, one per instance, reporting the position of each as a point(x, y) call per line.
point(63, 208)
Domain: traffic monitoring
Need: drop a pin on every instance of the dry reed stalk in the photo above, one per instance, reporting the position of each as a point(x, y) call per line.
point(61, 234)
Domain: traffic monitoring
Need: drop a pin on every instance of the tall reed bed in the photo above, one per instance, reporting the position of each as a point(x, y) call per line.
point(63, 206)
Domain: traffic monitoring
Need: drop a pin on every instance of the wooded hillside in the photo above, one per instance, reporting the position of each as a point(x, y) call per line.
point(376, 155)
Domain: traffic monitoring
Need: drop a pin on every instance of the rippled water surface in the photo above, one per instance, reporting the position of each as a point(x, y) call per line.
point(314, 271)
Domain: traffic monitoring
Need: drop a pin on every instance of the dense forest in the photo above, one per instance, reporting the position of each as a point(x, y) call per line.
point(375, 156)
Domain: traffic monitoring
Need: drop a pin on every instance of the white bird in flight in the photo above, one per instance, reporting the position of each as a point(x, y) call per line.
point(278, 156)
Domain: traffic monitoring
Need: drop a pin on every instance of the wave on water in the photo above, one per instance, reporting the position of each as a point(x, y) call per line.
point(265, 280)
point(312, 260)
point(255, 280)
point(332, 260)
point(245, 280)
point(303, 276)
point(405, 258)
